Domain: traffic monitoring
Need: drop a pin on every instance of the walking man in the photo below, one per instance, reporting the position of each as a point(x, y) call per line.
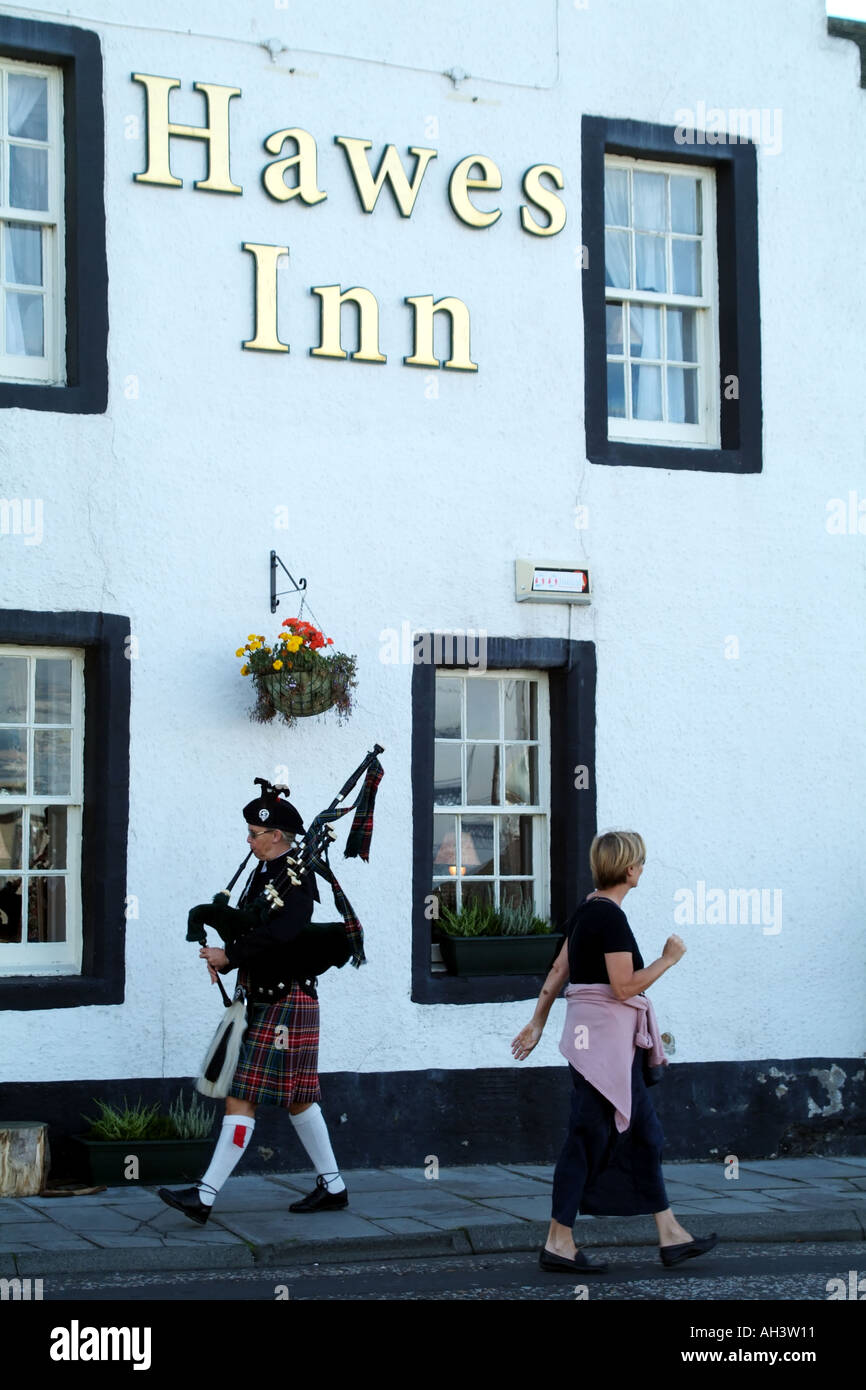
point(278, 1061)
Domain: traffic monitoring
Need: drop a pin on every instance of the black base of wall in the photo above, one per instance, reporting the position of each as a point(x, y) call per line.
point(508, 1115)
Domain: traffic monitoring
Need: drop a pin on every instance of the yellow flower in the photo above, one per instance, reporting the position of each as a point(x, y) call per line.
point(239, 652)
point(294, 642)
point(245, 670)
point(278, 666)
point(251, 637)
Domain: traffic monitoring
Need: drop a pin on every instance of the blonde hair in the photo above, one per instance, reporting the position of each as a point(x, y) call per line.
point(612, 854)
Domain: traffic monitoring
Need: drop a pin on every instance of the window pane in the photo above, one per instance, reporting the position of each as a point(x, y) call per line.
point(649, 261)
point(645, 331)
point(482, 709)
point(520, 775)
point(445, 845)
point(28, 178)
point(13, 760)
point(476, 892)
point(617, 260)
point(46, 916)
point(482, 774)
point(683, 395)
point(24, 326)
point(516, 695)
point(515, 845)
point(13, 690)
point(48, 837)
point(446, 895)
point(448, 707)
point(687, 267)
point(649, 201)
point(23, 252)
point(616, 197)
point(646, 393)
point(616, 389)
point(28, 106)
point(682, 335)
point(52, 758)
point(10, 910)
point(685, 204)
point(613, 315)
point(10, 838)
point(476, 845)
point(53, 690)
point(519, 894)
point(447, 790)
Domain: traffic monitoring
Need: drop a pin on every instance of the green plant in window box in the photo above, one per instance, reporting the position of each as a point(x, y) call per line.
point(482, 939)
point(166, 1147)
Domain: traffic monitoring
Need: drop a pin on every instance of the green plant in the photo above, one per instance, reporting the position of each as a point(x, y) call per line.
point(125, 1122)
point(142, 1122)
point(194, 1122)
point(522, 921)
point(483, 919)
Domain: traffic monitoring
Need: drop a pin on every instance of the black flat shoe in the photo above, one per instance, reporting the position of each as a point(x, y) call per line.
point(187, 1201)
point(672, 1254)
point(558, 1264)
point(321, 1199)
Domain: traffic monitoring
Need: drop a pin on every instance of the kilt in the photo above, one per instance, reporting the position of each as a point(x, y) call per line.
point(271, 1075)
point(602, 1172)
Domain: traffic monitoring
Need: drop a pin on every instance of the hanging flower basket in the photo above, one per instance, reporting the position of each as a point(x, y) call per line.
point(295, 678)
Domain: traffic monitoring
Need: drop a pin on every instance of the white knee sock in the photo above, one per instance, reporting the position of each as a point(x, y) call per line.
point(236, 1132)
point(312, 1131)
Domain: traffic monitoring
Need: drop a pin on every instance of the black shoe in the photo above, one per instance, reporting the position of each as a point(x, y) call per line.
point(558, 1264)
point(672, 1254)
point(321, 1199)
point(188, 1201)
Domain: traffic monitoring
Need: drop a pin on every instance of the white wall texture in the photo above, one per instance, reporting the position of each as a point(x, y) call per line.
point(740, 772)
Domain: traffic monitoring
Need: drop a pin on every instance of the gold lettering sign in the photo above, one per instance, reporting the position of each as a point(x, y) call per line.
point(160, 128)
point(460, 183)
point(473, 174)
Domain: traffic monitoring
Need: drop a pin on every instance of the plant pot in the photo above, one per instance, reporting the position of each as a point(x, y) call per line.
point(159, 1160)
point(299, 693)
point(500, 955)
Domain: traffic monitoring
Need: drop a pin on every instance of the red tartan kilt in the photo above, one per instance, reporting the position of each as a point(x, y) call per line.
point(270, 1075)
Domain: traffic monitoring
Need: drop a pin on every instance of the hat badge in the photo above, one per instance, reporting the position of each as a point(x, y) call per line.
point(264, 813)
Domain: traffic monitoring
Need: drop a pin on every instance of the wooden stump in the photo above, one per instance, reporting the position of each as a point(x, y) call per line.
point(23, 1157)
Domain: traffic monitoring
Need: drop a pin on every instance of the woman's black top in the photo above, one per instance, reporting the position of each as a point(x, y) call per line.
point(597, 927)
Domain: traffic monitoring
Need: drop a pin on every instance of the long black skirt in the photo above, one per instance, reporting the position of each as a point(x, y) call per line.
point(602, 1172)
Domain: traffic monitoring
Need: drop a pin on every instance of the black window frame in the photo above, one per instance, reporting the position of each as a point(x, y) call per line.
point(77, 52)
point(105, 819)
point(571, 672)
point(735, 166)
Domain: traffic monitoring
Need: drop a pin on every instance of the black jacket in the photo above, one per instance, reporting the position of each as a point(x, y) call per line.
point(265, 953)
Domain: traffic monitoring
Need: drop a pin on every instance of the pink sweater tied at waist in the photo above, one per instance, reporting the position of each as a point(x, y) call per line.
point(599, 1039)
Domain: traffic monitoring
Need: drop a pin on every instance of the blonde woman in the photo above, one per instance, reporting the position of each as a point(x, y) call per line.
point(610, 1164)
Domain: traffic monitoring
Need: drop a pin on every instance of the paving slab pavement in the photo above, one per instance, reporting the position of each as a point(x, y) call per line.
point(397, 1213)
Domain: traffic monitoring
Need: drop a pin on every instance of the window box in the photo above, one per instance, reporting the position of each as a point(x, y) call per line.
point(159, 1160)
point(500, 955)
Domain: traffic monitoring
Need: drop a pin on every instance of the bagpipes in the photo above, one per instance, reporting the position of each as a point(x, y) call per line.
point(320, 945)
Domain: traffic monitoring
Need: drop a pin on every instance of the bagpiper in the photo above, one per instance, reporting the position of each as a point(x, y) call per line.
point(270, 941)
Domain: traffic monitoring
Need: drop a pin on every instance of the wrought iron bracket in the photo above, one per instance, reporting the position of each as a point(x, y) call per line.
point(297, 586)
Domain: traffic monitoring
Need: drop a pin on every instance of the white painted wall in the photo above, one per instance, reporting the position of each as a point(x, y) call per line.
point(739, 773)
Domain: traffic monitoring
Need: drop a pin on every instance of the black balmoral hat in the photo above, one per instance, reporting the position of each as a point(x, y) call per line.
point(272, 810)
